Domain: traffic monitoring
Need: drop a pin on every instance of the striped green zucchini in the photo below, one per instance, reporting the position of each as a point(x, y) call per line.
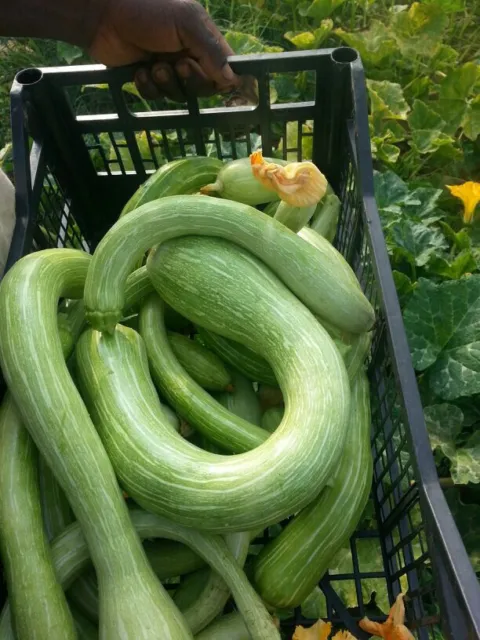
point(325, 219)
point(318, 275)
point(84, 627)
point(202, 365)
point(52, 410)
point(167, 558)
point(236, 182)
point(242, 358)
point(39, 607)
point(191, 402)
point(272, 418)
point(71, 556)
point(228, 627)
point(56, 510)
point(242, 401)
point(229, 291)
point(290, 566)
point(187, 175)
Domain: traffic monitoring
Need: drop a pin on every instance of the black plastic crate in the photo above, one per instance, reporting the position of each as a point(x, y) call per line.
point(77, 159)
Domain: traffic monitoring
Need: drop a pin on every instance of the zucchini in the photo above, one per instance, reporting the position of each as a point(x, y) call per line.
point(295, 218)
point(52, 409)
point(318, 275)
point(71, 556)
point(167, 558)
point(325, 219)
point(187, 175)
point(269, 396)
point(56, 510)
point(84, 627)
point(244, 301)
point(228, 627)
point(271, 208)
point(202, 365)
point(236, 182)
point(288, 568)
point(272, 418)
point(191, 402)
point(243, 401)
point(240, 357)
point(39, 607)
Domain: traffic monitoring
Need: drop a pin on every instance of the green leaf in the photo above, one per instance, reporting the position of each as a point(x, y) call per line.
point(416, 242)
point(444, 423)
point(387, 152)
point(452, 269)
point(459, 239)
point(429, 140)
point(471, 119)
point(243, 43)
point(309, 39)
point(448, 6)
point(421, 205)
point(387, 99)
point(467, 519)
point(459, 82)
point(419, 30)
point(374, 44)
point(466, 462)
point(318, 9)
point(452, 112)
point(403, 284)
point(423, 117)
point(443, 328)
point(68, 52)
point(444, 57)
point(390, 189)
point(292, 141)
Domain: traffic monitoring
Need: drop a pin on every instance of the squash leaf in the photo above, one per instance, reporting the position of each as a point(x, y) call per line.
point(467, 518)
point(318, 9)
point(310, 39)
point(423, 117)
point(414, 241)
point(387, 99)
point(452, 269)
point(459, 82)
point(443, 329)
point(374, 45)
point(444, 423)
point(471, 119)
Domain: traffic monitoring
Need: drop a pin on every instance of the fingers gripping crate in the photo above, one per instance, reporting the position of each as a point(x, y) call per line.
point(83, 143)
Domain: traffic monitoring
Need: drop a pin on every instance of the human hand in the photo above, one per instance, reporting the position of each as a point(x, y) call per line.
point(184, 49)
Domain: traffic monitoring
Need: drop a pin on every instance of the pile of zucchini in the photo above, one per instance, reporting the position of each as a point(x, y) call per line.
point(197, 380)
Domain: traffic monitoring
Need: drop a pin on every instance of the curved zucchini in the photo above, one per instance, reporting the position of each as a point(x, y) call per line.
point(24, 546)
point(187, 175)
point(228, 627)
point(242, 358)
point(271, 208)
point(71, 556)
point(272, 418)
point(288, 568)
point(56, 511)
point(191, 402)
point(166, 474)
point(318, 275)
point(242, 401)
point(53, 411)
point(355, 357)
point(167, 558)
point(236, 182)
point(202, 365)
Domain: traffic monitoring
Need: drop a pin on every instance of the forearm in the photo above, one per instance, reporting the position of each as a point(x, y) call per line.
point(74, 21)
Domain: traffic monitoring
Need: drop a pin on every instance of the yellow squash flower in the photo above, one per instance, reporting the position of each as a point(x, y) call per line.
point(393, 628)
point(469, 194)
point(320, 631)
point(300, 184)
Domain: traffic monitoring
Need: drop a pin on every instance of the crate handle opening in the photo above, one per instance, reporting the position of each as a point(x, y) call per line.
point(29, 76)
point(344, 55)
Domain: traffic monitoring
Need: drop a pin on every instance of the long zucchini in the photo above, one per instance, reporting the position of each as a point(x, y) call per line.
point(187, 175)
point(193, 403)
point(228, 627)
point(205, 367)
point(243, 401)
point(167, 558)
point(288, 568)
point(164, 473)
point(318, 275)
point(24, 547)
point(240, 357)
point(52, 410)
point(71, 556)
